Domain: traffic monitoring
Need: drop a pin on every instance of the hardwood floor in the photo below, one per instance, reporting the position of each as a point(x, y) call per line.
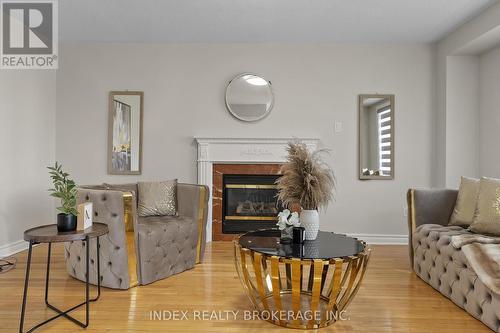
point(391, 299)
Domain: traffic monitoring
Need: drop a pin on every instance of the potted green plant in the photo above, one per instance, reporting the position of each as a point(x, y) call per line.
point(65, 190)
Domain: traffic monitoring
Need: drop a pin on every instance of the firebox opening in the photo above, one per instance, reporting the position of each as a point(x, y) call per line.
point(249, 203)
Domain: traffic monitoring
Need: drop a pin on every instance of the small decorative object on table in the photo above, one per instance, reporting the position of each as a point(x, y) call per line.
point(64, 189)
point(308, 180)
point(299, 234)
point(85, 211)
point(286, 222)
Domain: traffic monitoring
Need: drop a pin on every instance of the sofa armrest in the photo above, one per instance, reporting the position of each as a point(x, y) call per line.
point(428, 206)
point(192, 202)
point(117, 267)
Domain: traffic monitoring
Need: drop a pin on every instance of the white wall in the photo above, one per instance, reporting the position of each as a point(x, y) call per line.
point(471, 39)
point(27, 136)
point(315, 84)
point(489, 139)
point(462, 118)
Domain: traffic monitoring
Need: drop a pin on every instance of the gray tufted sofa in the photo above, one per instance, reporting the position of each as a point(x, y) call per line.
point(140, 250)
point(441, 265)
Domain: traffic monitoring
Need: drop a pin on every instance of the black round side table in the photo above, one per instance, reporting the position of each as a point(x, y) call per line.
point(49, 234)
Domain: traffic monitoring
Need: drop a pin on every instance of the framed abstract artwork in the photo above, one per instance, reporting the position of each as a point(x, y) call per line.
point(125, 132)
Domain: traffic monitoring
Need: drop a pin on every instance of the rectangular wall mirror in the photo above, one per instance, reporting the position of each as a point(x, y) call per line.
point(376, 136)
point(125, 132)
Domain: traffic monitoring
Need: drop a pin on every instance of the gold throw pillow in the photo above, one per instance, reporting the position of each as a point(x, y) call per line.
point(487, 216)
point(157, 198)
point(463, 214)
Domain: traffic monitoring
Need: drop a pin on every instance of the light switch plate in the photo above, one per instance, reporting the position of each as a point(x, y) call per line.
point(338, 126)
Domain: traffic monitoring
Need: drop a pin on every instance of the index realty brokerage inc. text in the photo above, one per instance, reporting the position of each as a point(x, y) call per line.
point(307, 315)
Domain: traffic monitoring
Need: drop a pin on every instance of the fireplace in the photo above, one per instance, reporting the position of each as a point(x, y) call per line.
point(244, 198)
point(237, 156)
point(249, 203)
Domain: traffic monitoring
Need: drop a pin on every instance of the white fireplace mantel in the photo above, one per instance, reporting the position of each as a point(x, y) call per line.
point(239, 150)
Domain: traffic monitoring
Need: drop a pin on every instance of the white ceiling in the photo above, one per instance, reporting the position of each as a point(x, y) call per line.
point(365, 21)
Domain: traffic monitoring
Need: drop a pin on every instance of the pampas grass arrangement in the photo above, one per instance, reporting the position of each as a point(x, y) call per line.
point(306, 179)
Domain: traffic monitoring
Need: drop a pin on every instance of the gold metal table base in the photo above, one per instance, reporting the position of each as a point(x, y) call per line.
point(300, 293)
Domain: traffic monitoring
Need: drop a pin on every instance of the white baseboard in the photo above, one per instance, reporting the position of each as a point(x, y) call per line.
point(380, 239)
point(13, 248)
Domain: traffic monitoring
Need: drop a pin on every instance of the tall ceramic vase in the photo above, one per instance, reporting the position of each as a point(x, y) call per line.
point(309, 219)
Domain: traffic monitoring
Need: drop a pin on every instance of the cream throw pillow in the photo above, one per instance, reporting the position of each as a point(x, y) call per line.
point(487, 216)
point(157, 198)
point(463, 214)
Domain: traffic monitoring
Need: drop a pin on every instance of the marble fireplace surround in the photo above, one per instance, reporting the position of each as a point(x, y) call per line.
point(219, 170)
point(239, 151)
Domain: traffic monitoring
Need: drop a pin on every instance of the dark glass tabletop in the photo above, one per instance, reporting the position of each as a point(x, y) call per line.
point(327, 245)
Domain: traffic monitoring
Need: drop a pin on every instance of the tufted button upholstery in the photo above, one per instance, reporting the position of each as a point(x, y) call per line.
point(167, 245)
point(113, 245)
point(446, 269)
point(164, 245)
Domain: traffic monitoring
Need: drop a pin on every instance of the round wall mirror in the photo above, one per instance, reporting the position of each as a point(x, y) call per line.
point(249, 97)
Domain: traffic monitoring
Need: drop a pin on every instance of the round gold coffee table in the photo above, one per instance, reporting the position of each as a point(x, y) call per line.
point(303, 286)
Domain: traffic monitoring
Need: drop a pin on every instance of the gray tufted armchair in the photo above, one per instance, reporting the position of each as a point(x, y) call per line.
point(140, 250)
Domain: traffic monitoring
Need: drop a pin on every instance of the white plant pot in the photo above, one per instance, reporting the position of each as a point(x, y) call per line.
point(309, 219)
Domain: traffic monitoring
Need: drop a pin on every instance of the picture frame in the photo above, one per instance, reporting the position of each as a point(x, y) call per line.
point(125, 132)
